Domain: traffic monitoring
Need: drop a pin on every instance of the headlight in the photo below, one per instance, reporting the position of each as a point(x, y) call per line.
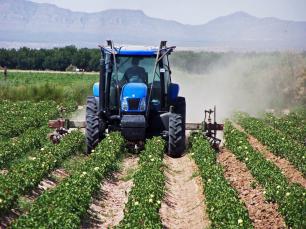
point(142, 105)
point(124, 105)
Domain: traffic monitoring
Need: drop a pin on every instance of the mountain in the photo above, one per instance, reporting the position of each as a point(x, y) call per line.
point(35, 24)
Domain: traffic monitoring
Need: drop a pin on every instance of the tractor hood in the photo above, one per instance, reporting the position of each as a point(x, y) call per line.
point(133, 97)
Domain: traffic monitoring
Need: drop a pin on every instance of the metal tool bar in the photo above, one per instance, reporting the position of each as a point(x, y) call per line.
point(66, 123)
point(194, 126)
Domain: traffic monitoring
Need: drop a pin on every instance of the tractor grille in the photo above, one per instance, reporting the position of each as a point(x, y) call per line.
point(133, 104)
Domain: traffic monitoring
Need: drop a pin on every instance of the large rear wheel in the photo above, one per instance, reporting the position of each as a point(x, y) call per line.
point(92, 124)
point(180, 108)
point(176, 143)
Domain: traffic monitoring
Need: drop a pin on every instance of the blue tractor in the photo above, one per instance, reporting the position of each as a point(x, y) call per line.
point(135, 95)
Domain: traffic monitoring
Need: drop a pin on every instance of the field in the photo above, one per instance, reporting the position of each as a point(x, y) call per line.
point(257, 180)
point(60, 87)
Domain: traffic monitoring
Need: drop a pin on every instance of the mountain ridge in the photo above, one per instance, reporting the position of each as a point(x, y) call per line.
point(25, 22)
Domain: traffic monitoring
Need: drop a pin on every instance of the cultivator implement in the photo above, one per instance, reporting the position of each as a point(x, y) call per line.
point(211, 127)
point(208, 127)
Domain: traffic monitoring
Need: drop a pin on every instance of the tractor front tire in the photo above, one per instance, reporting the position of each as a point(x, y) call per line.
point(176, 143)
point(92, 124)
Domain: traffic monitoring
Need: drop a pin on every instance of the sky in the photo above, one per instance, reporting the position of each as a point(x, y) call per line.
point(193, 11)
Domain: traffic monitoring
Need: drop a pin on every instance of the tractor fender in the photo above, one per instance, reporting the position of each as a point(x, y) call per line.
point(95, 89)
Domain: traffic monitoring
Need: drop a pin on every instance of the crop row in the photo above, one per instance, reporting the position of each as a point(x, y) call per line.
point(16, 118)
point(276, 141)
point(64, 206)
point(20, 108)
point(26, 174)
point(11, 108)
point(290, 197)
point(293, 125)
point(15, 148)
point(223, 205)
point(141, 210)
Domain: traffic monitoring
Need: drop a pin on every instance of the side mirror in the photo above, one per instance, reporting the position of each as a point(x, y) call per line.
point(173, 91)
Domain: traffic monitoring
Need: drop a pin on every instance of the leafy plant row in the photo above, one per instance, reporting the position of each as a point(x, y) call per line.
point(17, 117)
point(223, 205)
point(26, 174)
point(64, 206)
point(290, 197)
point(11, 108)
point(142, 208)
point(276, 141)
point(14, 148)
point(293, 125)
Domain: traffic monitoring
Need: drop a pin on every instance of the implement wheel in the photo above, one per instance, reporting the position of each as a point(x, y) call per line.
point(176, 143)
point(92, 124)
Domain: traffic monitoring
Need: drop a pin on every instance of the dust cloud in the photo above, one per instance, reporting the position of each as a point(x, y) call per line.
point(250, 83)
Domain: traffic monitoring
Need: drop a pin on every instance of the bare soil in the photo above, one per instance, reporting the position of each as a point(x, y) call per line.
point(106, 209)
point(183, 205)
point(264, 215)
point(287, 168)
point(6, 220)
point(48, 183)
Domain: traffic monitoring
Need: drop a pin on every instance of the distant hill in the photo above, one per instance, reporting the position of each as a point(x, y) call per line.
point(46, 25)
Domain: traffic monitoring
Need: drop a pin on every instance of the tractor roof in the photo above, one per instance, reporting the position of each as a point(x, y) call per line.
point(135, 51)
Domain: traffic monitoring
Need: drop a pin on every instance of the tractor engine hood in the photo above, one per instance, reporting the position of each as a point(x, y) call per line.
point(134, 97)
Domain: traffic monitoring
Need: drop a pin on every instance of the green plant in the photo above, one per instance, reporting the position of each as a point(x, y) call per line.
point(57, 87)
point(25, 175)
point(276, 141)
point(17, 117)
point(30, 140)
point(290, 197)
point(141, 210)
point(293, 125)
point(223, 205)
point(64, 206)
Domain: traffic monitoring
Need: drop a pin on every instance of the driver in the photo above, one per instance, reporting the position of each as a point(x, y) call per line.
point(135, 74)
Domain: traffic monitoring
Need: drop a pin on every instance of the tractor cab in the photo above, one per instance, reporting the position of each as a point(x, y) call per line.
point(131, 75)
point(135, 96)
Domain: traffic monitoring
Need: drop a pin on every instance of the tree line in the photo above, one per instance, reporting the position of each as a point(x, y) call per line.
point(57, 59)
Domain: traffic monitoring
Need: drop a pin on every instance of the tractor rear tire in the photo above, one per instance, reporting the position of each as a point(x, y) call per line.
point(92, 124)
point(180, 108)
point(176, 143)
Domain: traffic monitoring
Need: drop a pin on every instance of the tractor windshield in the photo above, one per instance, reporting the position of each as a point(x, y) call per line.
point(136, 69)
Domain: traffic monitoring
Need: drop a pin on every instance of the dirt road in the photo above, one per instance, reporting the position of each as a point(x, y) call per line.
point(183, 205)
